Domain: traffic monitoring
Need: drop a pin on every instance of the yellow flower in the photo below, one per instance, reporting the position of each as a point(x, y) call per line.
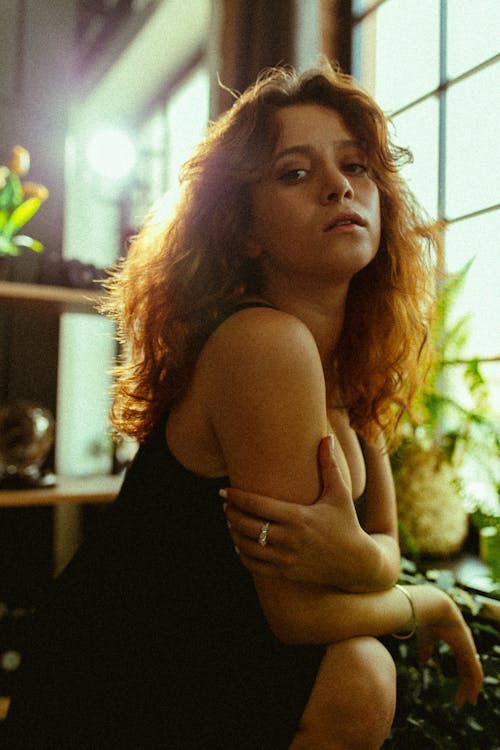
point(19, 160)
point(35, 190)
point(4, 173)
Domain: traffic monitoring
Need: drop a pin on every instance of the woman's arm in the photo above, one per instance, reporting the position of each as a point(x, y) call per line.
point(267, 408)
point(323, 542)
point(330, 616)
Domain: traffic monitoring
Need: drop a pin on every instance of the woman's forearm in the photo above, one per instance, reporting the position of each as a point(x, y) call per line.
point(299, 613)
point(315, 615)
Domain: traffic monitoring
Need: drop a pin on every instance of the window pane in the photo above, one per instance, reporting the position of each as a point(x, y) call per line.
point(473, 33)
point(364, 52)
point(150, 170)
point(187, 116)
point(478, 238)
point(417, 129)
point(405, 35)
point(153, 153)
point(472, 174)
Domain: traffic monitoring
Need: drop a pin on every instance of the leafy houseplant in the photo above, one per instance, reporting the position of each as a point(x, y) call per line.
point(426, 717)
point(19, 202)
point(446, 441)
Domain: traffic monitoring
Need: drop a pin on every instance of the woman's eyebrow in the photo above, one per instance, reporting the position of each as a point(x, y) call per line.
point(309, 149)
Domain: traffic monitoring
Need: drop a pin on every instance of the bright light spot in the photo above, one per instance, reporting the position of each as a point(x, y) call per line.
point(111, 154)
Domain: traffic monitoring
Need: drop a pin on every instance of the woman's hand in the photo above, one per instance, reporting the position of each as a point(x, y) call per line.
point(439, 619)
point(320, 543)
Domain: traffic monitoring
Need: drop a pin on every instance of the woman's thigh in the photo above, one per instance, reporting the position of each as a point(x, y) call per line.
point(353, 700)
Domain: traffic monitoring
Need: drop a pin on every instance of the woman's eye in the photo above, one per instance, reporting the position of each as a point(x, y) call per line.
point(293, 175)
point(355, 168)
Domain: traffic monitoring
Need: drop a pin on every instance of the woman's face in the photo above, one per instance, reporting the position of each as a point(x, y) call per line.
point(317, 210)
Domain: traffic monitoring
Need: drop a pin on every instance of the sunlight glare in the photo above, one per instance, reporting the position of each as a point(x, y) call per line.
point(111, 153)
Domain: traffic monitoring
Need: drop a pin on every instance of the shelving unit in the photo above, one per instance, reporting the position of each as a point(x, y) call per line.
point(49, 299)
point(68, 490)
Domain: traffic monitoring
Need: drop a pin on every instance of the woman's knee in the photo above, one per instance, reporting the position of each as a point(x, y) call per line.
point(369, 687)
point(372, 680)
point(355, 692)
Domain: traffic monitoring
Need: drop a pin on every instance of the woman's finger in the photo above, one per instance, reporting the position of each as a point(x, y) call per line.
point(258, 506)
point(251, 528)
point(258, 559)
point(425, 649)
point(468, 665)
point(469, 668)
point(261, 546)
point(468, 689)
point(470, 673)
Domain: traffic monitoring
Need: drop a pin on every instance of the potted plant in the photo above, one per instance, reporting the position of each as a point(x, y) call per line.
point(426, 717)
point(447, 474)
point(447, 462)
point(19, 202)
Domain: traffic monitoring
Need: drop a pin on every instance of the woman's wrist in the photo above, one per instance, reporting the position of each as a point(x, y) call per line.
point(411, 628)
point(431, 604)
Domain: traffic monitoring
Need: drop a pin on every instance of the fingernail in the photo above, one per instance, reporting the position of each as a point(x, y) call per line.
point(224, 507)
point(228, 524)
point(223, 493)
point(331, 442)
point(237, 550)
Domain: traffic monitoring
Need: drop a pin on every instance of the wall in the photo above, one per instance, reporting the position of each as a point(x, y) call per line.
point(37, 41)
point(171, 33)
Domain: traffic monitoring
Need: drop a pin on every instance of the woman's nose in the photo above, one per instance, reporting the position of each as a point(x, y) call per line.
point(336, 187)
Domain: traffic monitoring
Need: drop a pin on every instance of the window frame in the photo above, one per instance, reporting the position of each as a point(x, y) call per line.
point(362, 64)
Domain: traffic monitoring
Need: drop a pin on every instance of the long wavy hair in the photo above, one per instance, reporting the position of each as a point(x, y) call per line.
point(180, 275)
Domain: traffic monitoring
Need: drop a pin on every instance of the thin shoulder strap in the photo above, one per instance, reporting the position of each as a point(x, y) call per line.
point(236, 308)
point(244, 305)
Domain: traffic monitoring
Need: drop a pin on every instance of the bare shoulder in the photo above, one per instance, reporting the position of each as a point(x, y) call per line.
point(261, 336)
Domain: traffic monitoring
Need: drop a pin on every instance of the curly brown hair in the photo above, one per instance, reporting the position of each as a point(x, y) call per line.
point(181, 275)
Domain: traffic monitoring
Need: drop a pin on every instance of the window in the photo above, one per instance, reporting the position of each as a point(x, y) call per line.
point(166, 140)
point(434, 65)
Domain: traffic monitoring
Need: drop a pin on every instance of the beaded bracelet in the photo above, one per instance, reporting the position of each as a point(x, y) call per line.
point(405, 636)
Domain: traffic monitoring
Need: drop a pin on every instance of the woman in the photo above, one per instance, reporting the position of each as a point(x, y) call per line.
point(285, 301)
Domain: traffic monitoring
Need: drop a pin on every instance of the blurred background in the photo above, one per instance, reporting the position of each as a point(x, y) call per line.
point(108, 97)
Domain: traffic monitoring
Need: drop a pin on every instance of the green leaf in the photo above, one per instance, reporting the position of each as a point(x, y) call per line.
point(12, 193)
point(407, 541)
point(17, 189)
point(21, 215)
point(443, 579)
point(25, 241)
point(465, 600)
point(4, 215)
point(474, 725)
point(473, 375)
point(480, 519)
point(7, 247)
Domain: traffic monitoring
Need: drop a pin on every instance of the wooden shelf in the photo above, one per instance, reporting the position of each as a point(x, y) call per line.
point(45, 298)
point(68, 490)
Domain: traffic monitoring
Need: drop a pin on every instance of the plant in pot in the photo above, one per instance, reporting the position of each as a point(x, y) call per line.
point(19, 202)
point(447, 464)
point(447, 474)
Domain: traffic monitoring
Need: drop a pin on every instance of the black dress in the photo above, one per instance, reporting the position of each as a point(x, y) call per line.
point(153, 636)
